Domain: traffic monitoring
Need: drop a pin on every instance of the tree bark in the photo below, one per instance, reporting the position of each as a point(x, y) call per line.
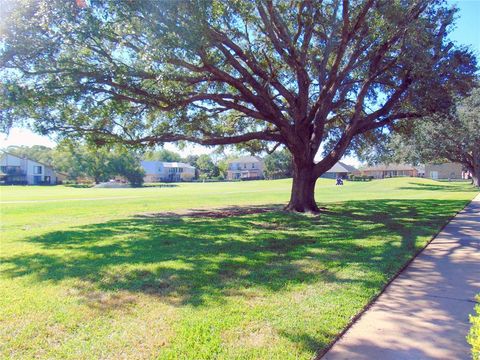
point(476, 168)
point(302, 198)
point(475, 180)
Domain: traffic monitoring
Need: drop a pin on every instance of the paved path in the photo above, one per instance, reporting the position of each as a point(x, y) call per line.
point(423, 314)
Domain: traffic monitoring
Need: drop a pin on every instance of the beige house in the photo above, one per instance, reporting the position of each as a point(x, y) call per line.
point(245, 168)
point(157, 171)
point(382, 171)
point(444, 171)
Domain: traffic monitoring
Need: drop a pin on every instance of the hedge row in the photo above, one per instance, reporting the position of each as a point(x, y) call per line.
point(352, 177)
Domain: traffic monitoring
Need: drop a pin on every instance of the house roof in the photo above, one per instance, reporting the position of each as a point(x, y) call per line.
point(388, 167)
point(341, 167)
point(245, 159)
point(29, 159)
point(153, 166)
point(178, 164)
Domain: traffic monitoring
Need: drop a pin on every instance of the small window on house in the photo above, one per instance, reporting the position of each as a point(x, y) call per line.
point(253, 165)
point(37, 169)
point(244, 166)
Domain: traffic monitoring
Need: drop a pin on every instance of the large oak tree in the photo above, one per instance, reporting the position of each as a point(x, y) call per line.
point(308, 74)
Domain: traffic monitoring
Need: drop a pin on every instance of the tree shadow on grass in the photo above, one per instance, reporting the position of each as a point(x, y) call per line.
point(202, 261)
point(441, 187)
point(195, 260)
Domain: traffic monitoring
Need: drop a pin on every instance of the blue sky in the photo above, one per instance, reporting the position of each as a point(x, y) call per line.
point(467, 32)
point(468, 24)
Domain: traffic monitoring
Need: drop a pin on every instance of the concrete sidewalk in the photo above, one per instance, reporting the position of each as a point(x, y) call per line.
point(423, 314)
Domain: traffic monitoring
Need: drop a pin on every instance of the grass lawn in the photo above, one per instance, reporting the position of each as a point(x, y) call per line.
point(113, 273)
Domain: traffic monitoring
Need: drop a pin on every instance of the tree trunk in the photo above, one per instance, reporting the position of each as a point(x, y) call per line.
point(476, 168)
point(475, 180)
point(302, 198)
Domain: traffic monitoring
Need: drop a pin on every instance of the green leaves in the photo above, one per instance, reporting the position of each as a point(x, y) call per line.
point(278, 165)
point(298, 73)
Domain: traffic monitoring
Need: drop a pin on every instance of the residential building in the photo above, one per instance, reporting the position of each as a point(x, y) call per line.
point(17, 170)
point(448, 170)
point(382, 171)
point(420, 170)
point(245, 168)
point(339, 170)
point(157, 171)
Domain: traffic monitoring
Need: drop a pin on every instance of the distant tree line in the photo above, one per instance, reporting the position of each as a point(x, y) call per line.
point(102, 164)
point(454, 137)
point(83, 161)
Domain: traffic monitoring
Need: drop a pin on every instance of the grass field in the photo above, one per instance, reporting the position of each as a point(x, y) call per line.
point(114, 273)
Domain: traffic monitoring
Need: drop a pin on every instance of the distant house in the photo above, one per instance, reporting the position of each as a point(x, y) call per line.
point(157, 171)
point(339, 170)
point(420, 170)
point(448, 170)
point(245, 168)
point(382, 171)
point(16, 170)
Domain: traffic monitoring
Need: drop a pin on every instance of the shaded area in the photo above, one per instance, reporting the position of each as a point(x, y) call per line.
point(215, 213)
point(203, 261)
point(189, 260)
point(441, 187)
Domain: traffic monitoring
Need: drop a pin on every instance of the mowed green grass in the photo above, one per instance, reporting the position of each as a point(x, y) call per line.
point(114, 273)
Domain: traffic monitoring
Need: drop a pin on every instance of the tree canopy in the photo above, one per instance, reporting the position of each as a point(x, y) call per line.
point(82, 161)
point(206, 167)
point(300, 73)
point(163, 155)
point(454, 137)
point(278, 165)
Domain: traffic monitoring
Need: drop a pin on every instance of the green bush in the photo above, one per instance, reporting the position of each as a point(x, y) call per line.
point(473, 337)
point(352, 177)
point(80, 186)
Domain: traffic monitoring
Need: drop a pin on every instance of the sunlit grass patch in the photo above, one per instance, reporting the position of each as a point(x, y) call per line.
point(131, 279)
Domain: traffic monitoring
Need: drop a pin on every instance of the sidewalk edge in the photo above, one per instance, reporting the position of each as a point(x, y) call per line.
point(319, 355)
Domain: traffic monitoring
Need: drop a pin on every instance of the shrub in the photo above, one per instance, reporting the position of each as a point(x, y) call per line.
point(473, 337)
point(352, 177)
point(81, 186)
